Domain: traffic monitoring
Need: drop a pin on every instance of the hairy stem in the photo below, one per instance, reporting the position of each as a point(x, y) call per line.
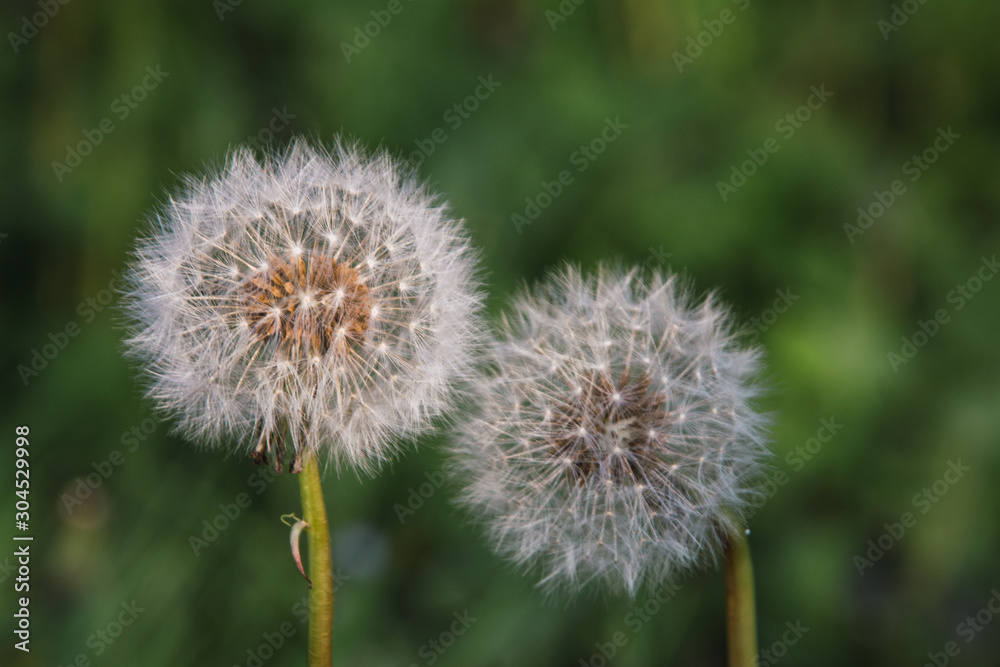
point(320, 565)
point(741, 618)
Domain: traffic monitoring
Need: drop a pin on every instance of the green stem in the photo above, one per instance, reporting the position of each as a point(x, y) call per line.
point(741, 618)
point(320, 565)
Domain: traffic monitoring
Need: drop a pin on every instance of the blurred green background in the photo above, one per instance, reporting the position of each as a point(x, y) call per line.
point(200, 77)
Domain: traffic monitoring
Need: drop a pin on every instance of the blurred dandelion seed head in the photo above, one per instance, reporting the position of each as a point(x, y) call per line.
point(615, 437)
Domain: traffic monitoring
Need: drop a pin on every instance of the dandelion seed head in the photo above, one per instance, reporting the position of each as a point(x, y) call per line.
point(623, 463)
point(265, 300)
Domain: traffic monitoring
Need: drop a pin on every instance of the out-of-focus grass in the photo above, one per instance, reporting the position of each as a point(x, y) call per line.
point(652, 193)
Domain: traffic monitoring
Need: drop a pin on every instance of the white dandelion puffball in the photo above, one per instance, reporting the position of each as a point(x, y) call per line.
point(615, 439)
point(322, 294)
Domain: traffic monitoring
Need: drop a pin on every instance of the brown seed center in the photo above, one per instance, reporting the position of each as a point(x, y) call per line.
point(619, 425)
point(309, 305)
